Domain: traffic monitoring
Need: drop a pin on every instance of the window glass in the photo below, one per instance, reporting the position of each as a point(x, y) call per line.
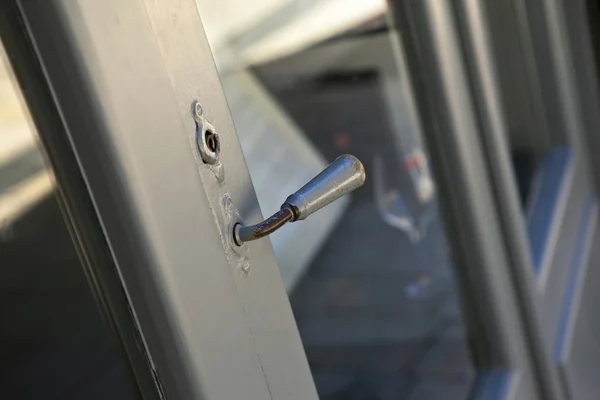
point(54, 343)
point(370, 279)
point(539, 146)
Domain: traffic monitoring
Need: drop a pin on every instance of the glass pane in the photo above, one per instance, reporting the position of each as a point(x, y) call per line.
point(540, 149)
point(53, 341)
point(370, 278)
point(535, 139)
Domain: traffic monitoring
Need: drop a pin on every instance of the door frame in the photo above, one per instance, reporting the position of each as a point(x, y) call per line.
point(105, 80)
point(430, 38)
point(78, 211)
point(453, 62)
point(197, 317)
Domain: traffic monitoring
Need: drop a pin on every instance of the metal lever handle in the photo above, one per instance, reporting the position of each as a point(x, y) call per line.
point(342, 176)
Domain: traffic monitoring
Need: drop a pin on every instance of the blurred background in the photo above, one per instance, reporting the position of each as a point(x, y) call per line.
point(375, 303)
point(370, 281)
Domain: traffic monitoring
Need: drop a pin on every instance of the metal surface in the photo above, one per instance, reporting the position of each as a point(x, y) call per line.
point(342, 176)
point(80, 215)
point(583, 36)
point(433, 49)
point(495, 125)
point(488, 59)
point(243, 234)
point(576, 21)
point(207, 139)
point(211, 330)
point(260, 119)
point(560, 31)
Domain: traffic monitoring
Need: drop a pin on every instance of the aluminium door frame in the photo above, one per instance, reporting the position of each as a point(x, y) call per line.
point(555, 34)
point(451, 47)
point(543, 257)
point(208, 320)
point(464, 129)
point(73, 198)
point(579, 62)
point(483, 64)
point(136, 280)
point(561, 31)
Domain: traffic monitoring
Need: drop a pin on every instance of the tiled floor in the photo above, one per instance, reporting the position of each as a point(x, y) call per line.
point(360, 328)
point(378, 314)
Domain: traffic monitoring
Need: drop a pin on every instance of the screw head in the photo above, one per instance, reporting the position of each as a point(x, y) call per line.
point(197, 111)
point(207, 139)
point(245, 264)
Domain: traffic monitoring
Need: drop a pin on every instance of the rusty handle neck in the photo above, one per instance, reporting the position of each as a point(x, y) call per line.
point(341, 177)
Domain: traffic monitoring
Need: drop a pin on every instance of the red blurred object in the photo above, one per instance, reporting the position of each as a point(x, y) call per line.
point(341, 141)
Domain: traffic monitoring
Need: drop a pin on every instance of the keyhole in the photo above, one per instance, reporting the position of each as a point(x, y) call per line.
point(212, 142)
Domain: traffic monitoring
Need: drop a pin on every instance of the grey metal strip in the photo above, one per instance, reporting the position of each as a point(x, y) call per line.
point(80, 216)
point(213, 331)
point(429, 35)
point(581, 17)
point(479, 48)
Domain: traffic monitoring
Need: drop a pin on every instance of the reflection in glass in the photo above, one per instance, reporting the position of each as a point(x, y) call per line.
point(370, 281)
point(53, 340)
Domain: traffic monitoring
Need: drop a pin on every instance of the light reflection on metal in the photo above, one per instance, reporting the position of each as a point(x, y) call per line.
point(207, 140)
point(342, 176)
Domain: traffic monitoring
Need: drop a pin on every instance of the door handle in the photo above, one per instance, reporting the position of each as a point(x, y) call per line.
point(342, 176)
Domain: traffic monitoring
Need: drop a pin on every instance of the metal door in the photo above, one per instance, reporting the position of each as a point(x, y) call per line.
point(500, 80)
point(111, 86)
